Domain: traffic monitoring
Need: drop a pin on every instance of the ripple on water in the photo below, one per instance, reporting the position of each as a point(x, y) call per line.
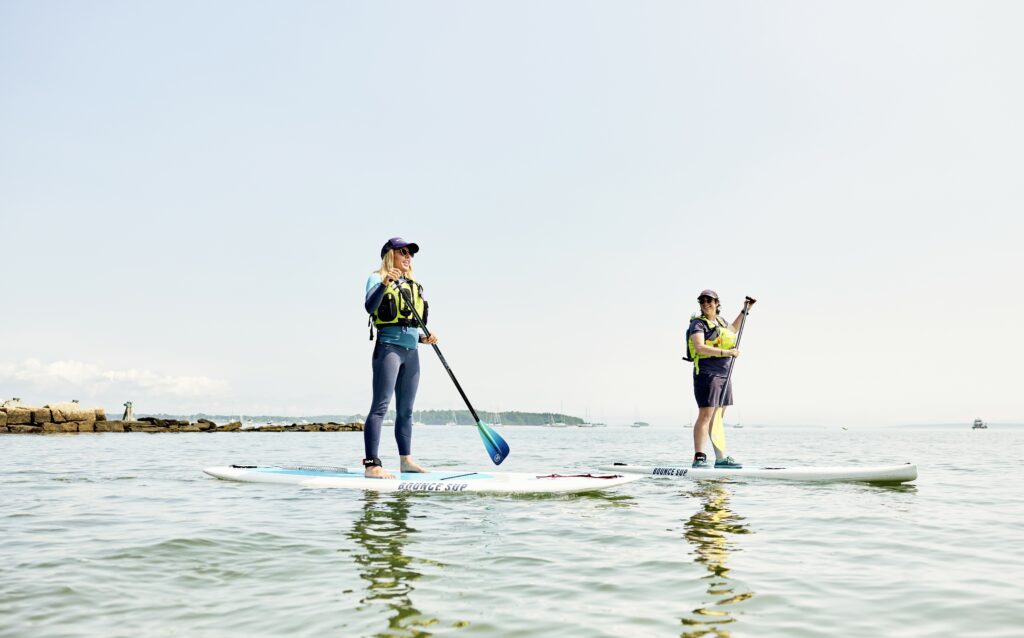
point(125, 536)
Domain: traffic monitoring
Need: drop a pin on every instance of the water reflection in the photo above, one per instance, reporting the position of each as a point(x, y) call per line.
point(710, 531)
point(382, 533)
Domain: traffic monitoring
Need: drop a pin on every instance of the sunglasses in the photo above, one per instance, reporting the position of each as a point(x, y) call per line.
point(404, 252)
point(704, 300)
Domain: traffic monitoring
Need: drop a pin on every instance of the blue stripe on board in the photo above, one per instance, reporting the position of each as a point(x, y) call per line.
point(404, 476)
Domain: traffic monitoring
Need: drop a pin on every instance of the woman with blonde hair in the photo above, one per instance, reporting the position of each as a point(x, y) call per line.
point(396, 363)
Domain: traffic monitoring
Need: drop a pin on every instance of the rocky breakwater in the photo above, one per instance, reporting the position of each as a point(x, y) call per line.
point(61, 418)
point(19, 418)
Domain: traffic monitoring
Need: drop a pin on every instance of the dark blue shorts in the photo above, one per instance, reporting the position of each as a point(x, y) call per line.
point(707, 389)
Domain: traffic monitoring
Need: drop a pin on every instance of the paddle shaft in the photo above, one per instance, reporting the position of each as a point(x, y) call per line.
point(419, 320)
point(739, 337)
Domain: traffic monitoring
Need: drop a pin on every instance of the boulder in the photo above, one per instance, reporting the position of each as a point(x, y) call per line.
point(60, 428)
point(234, 426)
point(63, 412)
point(166, 423)
point(68, 411)
point(109, 426)
point(101, 414)
point(86, 426)
point(271, 428)
point(41, 416)
point(3, 429)
point(3, 418)
point(203, 425)
point(25, 429)
point(19, 416)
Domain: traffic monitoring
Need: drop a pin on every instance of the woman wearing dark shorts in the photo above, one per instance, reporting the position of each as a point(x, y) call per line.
point(712, 344)
point(396, 362)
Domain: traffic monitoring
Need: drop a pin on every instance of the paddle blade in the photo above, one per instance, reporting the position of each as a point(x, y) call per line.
point(497, 449)
point(718, 431)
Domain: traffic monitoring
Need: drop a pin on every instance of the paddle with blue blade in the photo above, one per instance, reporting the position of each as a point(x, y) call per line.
point(496, 446)
point(717, 430)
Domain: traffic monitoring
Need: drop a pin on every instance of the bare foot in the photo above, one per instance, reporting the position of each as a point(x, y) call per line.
point(376, 471)
point(409, 465)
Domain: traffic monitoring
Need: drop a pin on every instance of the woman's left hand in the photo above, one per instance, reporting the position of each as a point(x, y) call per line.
point(432, 339)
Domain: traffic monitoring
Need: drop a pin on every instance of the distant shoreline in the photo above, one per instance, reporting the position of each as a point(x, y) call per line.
point(71, 418)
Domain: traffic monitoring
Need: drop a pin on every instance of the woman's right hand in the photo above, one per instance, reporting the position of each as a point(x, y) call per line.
point(393, 275)
point(735, 352)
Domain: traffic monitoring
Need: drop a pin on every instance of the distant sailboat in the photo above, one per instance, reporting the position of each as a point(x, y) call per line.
point(560, 424)
point(552, 423)
point(979, 425)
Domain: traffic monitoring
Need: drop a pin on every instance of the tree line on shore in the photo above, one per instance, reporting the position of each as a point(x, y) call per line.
point(427, 417)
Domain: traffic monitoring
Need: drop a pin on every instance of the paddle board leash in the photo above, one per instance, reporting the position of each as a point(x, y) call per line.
point(717, 429)
point(496, 446)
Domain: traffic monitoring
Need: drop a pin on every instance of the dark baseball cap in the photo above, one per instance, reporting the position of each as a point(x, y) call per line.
point(708, 293)
point(398, 242)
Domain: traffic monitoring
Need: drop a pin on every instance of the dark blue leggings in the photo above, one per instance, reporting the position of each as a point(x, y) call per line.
point(396, 370)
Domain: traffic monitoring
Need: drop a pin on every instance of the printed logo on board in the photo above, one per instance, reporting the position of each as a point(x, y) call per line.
point(435, 486)
point(670, 471)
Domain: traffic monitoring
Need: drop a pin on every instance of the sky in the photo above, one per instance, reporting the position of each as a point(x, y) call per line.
point(193, 194)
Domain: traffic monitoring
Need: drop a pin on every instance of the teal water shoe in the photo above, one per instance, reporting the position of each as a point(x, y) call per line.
point(700, 463)
point(728, 463)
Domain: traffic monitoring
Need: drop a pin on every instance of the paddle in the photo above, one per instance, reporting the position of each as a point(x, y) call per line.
point(496, 446)
point(717, 429)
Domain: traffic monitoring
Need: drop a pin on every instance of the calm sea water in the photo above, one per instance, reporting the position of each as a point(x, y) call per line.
point(122, 535)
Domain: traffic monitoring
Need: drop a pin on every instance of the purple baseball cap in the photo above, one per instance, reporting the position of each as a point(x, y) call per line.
point(398, 242)
point(708, 293)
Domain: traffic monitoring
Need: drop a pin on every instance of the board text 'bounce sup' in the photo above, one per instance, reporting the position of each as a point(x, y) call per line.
point(868, 474)
point(451, 482)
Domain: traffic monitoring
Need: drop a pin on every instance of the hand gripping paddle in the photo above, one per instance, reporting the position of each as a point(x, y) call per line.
point(496, 446)
point(717, 430)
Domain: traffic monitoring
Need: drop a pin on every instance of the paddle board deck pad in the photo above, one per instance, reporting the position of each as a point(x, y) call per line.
point(450, 481)
point(875, 474)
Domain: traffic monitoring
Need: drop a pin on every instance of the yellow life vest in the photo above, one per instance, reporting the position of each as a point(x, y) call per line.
point(393, 309)
point(721, 336)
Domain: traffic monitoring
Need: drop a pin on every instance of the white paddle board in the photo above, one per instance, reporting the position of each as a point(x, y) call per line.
point(869, 474)
point(451, 481)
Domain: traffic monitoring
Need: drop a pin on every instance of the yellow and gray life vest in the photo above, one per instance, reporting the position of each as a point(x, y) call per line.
point(721, 336)
point(393, 309)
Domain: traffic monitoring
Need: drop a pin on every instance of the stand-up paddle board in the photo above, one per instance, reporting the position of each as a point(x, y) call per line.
point(871, 474)
point(450, 481)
